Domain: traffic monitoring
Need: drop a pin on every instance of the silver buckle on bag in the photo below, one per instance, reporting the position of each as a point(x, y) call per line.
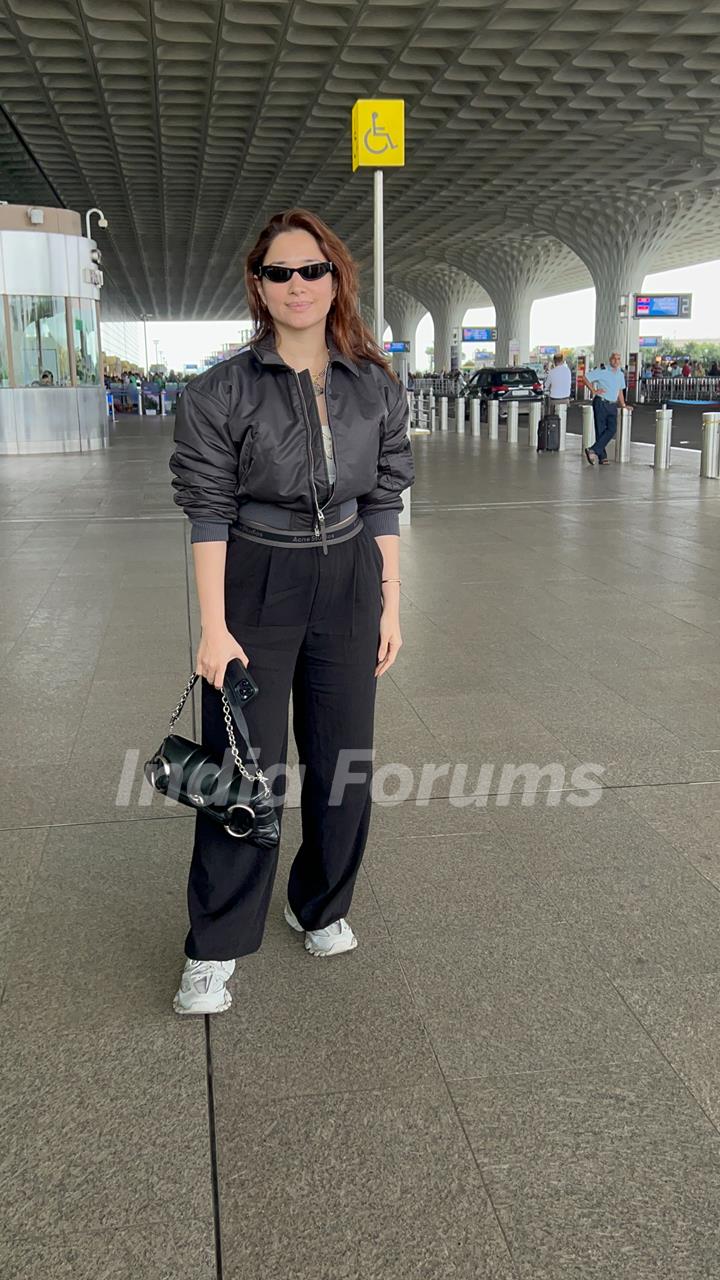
point(157, 772)
point(240, 808)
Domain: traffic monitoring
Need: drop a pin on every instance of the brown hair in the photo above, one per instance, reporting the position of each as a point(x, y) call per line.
point(350, 335)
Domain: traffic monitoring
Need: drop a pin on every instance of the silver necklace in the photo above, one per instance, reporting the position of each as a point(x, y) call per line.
point(318, 379)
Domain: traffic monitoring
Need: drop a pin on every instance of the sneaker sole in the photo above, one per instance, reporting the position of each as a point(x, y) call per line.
point(202, 1007)
point(334, 951)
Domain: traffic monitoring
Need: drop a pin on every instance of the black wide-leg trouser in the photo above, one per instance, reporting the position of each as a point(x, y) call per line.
point(309, 624)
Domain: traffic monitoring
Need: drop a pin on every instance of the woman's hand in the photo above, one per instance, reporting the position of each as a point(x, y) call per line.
point(217, 647)
point(390, 638)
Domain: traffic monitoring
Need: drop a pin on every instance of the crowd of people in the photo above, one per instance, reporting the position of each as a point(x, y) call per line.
point(136, 378)
point(681, 369)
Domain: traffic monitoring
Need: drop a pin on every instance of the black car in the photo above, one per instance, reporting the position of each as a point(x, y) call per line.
point(503, 384)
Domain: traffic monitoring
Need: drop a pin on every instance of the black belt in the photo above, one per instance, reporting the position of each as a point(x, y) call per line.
point(341, 532)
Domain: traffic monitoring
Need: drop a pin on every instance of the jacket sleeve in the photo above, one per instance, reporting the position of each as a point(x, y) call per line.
point(380, 509)
point(205, 461)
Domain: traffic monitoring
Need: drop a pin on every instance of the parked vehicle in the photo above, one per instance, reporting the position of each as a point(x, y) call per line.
point(505, 384)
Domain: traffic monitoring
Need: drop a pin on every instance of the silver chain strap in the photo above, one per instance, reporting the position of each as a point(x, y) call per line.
point(258, 777)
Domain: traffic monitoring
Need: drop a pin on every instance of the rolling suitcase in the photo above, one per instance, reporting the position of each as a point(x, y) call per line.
point(548, 433)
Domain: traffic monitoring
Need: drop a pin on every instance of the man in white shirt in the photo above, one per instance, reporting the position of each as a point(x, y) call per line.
point(558, 383)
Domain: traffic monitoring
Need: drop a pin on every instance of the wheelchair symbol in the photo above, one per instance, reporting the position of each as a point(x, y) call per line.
point(377, 131)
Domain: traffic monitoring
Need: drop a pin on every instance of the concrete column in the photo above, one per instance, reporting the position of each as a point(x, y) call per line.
point(512, 318)
point(616, 275)
point(447, 294)
point(403, 313)
point(617, 237)
point(515, 269)
point(447, 318)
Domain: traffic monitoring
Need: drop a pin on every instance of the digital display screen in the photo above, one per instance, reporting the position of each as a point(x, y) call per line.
point(677, 306)
point(479, 335)
point(649, 342)
point(396, 347)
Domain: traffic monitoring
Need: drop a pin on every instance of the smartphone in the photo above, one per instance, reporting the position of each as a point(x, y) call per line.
point(238, 683)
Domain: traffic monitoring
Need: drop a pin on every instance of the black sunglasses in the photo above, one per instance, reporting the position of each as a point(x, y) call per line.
point(281, 275)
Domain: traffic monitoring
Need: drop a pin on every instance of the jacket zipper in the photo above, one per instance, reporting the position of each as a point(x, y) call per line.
point(319, 527)
point(332, 437)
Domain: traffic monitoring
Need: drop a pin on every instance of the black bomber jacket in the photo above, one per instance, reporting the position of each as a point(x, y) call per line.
point(249, 430)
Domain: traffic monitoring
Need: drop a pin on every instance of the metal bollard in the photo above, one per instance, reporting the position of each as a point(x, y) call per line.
point(460, 415)
point(512, 422)
point(163, 405)
point(493, 417)
point(475, 417)
point(623, 437)
point(562, 415)
point(411, 405)
point(533, 423)
point(443, 413)
point(710, 449)
point(431, 412)
point(588, 426)
point(663, 439)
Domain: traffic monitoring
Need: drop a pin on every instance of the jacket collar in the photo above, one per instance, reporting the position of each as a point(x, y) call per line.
point(267, 352)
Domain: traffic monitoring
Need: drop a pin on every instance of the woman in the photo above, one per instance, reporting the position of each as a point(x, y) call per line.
point(290, 461)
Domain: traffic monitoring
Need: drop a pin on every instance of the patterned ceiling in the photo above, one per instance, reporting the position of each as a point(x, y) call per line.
point(536, 129)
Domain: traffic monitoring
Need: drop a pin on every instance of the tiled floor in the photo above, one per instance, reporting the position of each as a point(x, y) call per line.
point(516, 1075)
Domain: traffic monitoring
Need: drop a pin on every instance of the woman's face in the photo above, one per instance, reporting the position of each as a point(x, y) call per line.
point(299, 304)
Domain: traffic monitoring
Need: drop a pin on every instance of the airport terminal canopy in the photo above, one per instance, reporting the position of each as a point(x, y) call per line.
point(549, 145)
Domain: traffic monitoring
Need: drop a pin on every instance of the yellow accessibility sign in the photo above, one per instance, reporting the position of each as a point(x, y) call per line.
point(378, 132)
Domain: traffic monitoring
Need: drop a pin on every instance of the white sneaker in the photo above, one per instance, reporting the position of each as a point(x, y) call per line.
point(202, 987)
point(331, 941)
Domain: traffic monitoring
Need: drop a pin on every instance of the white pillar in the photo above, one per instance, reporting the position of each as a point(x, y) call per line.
point(512, 317)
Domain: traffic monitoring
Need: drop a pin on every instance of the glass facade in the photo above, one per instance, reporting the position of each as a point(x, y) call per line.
point(39, 341)
point(85, 341)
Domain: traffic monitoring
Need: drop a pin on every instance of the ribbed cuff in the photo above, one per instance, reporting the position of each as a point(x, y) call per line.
point(210, 531)
point(380, 523)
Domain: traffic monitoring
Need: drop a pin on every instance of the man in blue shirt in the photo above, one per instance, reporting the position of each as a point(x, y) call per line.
point(608, 388)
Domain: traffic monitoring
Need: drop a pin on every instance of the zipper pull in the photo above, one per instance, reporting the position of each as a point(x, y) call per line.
point(323, 539)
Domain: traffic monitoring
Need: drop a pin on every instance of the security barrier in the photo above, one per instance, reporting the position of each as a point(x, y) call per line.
point(475, 417)
point(588, 426)
point(493, 417)
point(623, 437)
point(658, 390)
point(460, 415)
point(512, 422)
point(562, 415)
point(710, 450)
point(663, 439)
point(534, 412)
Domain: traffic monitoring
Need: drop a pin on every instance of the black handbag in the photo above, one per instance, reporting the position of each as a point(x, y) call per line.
point(241, 802)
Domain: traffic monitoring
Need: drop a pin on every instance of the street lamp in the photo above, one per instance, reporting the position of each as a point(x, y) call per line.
point(102, 221)
point(145, 317)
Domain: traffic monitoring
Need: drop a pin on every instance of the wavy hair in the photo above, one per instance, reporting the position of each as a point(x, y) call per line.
point(347, 329)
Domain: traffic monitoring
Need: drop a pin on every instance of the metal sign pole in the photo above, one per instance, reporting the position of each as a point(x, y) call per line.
point(379, 291)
